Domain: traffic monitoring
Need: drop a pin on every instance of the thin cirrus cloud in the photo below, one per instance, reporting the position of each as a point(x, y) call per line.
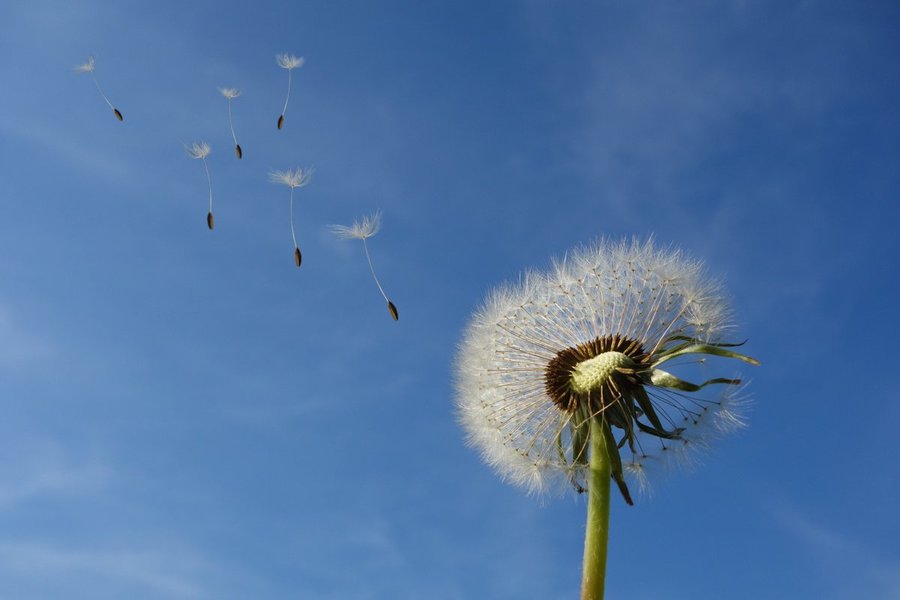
point(20, 348)
point(144, 572)
point(863, 572)
point(33, 468)
point(80, 157)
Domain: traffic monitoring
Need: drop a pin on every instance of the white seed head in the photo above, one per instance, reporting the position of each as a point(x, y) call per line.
point(294, 179)
point(361, 229)
point(87, 67)
point(198, 149)
point(657, 298)
point(289, 61)
point(230, 93)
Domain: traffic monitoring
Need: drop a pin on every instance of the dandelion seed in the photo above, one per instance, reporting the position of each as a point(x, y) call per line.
point(200, 150)
point(289, 62)
point(559, 378)
point(230, 94)
point(363, 230)
point(293, 179)
point(90, 67)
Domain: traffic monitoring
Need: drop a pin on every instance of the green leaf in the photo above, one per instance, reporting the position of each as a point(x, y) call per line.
point(693, 340)
point(643, 400)
point(615, 462)
point(580, 438)
point(560, 451)
point(665, 379)
point(712, 349)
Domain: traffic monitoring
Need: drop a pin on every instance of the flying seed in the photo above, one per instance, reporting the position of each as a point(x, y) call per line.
point(289, 62)
point(209, 221)
point(293, 179)
point(200, 150)
point(230, 94)
point(363, 230)
point(89, 67)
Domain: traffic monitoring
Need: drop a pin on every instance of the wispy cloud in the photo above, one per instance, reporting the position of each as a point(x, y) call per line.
point(19, 347)
point(174, 574)
point(653, 112)
point(864, 572)
point(54, 143)
point(32, 469)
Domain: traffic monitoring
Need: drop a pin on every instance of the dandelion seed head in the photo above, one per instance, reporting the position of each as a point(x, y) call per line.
point(585, 340)
point(296, 178)
point(362, 229)
point(230, 93)
point(289, 61)
point(198, 150)
point(87, 67)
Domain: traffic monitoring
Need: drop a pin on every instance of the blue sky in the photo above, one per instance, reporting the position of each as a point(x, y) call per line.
point(187, 415)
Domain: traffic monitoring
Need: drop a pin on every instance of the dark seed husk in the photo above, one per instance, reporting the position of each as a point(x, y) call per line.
point(297, 257)
point(393, 310)
point(280, 121)
point(118, 114)
point(238, 151)
point(209, 221)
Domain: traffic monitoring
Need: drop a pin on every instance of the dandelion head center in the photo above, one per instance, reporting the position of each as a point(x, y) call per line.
point(594, 375)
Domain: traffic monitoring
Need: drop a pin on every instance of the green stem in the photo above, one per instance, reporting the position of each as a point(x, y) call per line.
point(597, 534)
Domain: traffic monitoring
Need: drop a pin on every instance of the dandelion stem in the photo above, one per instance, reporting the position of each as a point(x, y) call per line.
point(288, 96)
point(372, 269)
point(97, 83)
point(597, 533)
point(293, 236)
point(231, 124)
point(208, 181)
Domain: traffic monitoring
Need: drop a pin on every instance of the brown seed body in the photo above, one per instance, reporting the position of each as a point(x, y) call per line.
point(280, 121)
point(238, 151)
point(118, 114)
point(209, 221)
point(393, 310)
point(297, 257)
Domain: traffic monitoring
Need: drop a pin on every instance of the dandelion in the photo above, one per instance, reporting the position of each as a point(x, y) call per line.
point(89, 67)
point(289, 62)
point(559, 378)
point(230, 94)
point(293, 179)
point(201, 150)
point(363, 230)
